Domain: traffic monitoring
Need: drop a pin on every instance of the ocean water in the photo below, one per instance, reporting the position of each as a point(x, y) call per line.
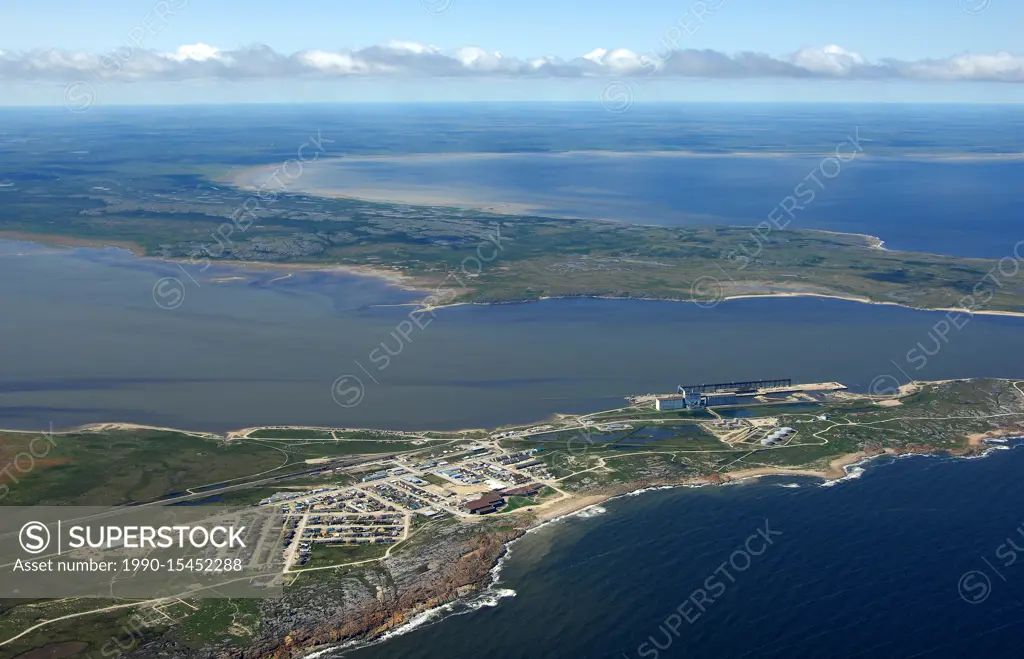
point(927, 180)
point(82, 341)
point(869, 567)
point(947, 206)
point(911, 559)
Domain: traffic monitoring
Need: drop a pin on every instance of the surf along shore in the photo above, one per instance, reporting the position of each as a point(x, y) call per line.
point(485, 588)
point(481, 550)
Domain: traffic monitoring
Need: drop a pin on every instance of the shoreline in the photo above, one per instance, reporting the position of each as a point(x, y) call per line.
point(850, 298)
point(412, 283)
point(241, 434)
point(391, 277)
point(59, 241)
point(727, 298)
point(844, 467)
point(248, 177)
point(483, 587)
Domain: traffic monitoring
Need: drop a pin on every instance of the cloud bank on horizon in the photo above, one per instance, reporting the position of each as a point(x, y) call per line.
point(414, 60)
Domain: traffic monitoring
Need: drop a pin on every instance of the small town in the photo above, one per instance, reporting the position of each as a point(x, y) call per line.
point(382, 498)
point(379, 508)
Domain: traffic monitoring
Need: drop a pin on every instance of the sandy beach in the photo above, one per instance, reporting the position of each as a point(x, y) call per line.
point(978, 439)
point(863, 300)
point(836, 470)
point(568, 506)
point(848, 298)
point(51, 240)
point(392, 277)
point(113, 427)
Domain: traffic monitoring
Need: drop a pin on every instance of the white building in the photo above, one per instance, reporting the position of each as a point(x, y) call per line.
point(664, 403)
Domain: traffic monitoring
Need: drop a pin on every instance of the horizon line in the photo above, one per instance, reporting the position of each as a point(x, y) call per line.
point(594, 103)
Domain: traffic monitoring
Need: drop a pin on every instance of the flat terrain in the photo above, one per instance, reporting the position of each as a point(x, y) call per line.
point(177, 211)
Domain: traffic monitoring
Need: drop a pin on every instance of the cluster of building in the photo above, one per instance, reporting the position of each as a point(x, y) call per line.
point(496, 472)
point(404, 495)
point(328, 500)
point(536, 468)
point(427, 465)
point(336, 516)
point(416, 487)
point(285, 496)
point(513, 458)
point(460, 476)
point(393, 489)
point(385, 473)
point(535, 430)
point(353, 529)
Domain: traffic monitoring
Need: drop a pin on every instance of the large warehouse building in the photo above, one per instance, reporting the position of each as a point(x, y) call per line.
point(692, 399)
point(746, 392)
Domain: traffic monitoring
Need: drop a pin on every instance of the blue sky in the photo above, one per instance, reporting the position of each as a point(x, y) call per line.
point(868, 31)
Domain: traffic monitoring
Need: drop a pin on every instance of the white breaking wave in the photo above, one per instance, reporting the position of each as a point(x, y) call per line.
point(489, 597)
point(636, 493)
point(853, 472)
point(591, 511)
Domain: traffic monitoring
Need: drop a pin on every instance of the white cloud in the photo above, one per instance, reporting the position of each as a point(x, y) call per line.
point(414, 60)
point(412, 47)
point(477, 59)
point(830, 60)
point(336, 63)
point(1000, 66)
point(618, 60)
point(199, 52)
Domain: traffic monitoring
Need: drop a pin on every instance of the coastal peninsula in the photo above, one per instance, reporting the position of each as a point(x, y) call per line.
point(420, 519)
point(466, 255)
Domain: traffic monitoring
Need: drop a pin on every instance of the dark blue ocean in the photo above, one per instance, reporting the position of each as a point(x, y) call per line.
point(911, 559)
point(937, 205)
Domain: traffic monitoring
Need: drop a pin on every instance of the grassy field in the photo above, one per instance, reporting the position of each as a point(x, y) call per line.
point(516, 502)
point(106, 634)
point(120, 467)
point(688, 436)
point(113, 468)
point(174, 214)
point(290, 433)
point(436, 480)
point(306, 449)
point(236, 620)
point(324, 555)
